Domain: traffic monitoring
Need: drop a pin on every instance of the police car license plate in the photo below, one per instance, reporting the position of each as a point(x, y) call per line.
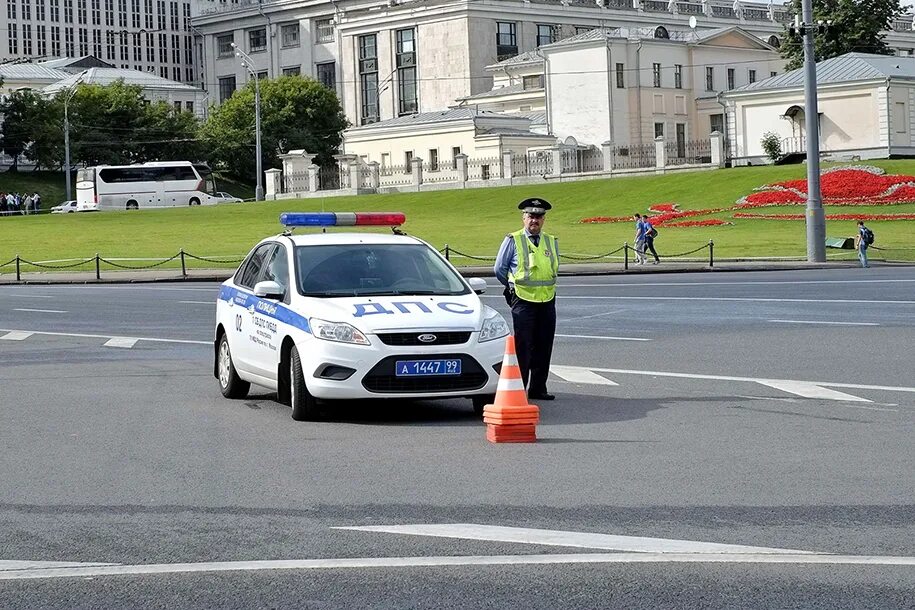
point(413, 368)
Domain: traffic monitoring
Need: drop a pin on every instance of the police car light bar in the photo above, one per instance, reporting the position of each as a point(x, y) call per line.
point(341, 219)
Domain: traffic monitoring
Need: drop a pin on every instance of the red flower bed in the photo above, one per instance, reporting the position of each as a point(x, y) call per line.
point(711, 222)
point(860, 185)
point(664, 213)
point(828, 216)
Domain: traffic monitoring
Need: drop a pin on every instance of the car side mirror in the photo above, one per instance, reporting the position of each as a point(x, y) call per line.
point(477, 284)
point(269, 290)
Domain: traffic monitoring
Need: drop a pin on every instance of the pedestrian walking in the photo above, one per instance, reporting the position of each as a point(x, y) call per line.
point(863, 239)
point(27, 204)
point(650, 234)
point(36, 203)
point(527, 265)
point(639, 239)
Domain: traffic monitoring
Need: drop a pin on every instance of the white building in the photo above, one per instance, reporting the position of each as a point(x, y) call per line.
point(146, 35)
point(155, 89)
point(866, 106)
point(17, 77)
point(389, 58)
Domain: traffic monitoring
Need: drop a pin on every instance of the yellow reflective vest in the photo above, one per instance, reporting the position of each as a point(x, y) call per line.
point(535, 277)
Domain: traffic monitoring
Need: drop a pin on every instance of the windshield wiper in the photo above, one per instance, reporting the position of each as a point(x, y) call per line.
point(398, 293)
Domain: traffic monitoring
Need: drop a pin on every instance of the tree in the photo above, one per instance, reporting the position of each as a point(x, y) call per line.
point(772, 145)
point(19, 113)
point(296, 112)
point(857, 26)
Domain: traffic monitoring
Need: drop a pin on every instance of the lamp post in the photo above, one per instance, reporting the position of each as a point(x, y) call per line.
point(246, 63)
point(816, 217)
point(67, 99)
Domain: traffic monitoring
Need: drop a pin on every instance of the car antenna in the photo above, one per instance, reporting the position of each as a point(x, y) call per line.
point(397, 231)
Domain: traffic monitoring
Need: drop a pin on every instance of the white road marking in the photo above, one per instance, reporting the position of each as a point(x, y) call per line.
point(40, 310)
point(576, 375)
point(458, 560)
point(809, 390)
point(587, 540)
point(602, 337)
point(825, 322)
point(125, 342)
point(594, 315)
point(30, 296)
point(41, 565)
point(154, 339)
point(213, 302)
point(16, 335)
point(763, 381)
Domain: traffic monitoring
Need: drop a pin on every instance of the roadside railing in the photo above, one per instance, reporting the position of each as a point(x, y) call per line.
point(21, 264)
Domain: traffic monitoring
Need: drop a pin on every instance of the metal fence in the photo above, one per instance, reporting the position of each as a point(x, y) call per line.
point(484, 169)
point(295, 182)
point(395, 175)
point(436, 172)
point(329, 178)
point(634, 156)
point(685, 152)
point(539, 163)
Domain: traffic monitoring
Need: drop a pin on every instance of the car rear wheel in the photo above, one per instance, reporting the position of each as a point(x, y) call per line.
point(194, 201)
point(133, 205)
point(304, 405)
point(481, 401)
point(231, 385)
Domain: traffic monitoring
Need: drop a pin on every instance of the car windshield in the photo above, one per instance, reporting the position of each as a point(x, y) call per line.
point(373, 269)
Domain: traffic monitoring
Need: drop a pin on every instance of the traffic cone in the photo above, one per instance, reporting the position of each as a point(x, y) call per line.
point(511, 419)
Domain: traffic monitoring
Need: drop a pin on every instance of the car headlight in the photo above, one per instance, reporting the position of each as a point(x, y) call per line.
point(494, 327)
point(337, 331)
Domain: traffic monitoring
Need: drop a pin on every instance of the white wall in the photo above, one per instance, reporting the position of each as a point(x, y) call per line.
point(578, 104)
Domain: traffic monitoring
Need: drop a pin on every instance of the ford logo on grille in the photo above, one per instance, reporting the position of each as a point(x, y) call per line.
point(427, 338)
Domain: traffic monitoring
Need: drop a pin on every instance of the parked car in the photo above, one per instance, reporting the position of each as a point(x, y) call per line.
point(65, 208)
point(223, 197)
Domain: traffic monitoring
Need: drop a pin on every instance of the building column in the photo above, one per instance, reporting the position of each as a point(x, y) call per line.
point(717, 149)
point(374, 175)
point(507, 169)
point(660, 153)
point(272, 184)
point(607, 150)
point(461, 162)
point(313, 183)
point(557, 160)
point(416, 165)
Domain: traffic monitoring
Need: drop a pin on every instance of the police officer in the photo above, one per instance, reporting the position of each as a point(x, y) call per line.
point(527, 265)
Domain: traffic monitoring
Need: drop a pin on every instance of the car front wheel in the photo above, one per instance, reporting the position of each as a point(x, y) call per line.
point(481, 401)
point(231, 385)
point(304, 405)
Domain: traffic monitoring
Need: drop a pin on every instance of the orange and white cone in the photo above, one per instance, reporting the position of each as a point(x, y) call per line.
point(511, 419)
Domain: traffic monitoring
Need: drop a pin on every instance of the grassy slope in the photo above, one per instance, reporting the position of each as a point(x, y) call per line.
point(472, 221)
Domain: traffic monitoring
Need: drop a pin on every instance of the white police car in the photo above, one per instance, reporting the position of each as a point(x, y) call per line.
point(349, 315)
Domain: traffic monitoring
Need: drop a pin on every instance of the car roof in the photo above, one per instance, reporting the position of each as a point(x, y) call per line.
point(342, 238)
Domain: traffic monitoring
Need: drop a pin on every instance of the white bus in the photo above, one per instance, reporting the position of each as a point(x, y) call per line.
point(155, 184)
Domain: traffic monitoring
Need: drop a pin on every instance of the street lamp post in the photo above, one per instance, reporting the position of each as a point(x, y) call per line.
point(246, 63)
point(67, 135)
point(816, 217)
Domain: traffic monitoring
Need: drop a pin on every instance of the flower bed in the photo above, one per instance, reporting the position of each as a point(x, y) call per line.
point(858, 185)
point(666, 215)
point(828, 216)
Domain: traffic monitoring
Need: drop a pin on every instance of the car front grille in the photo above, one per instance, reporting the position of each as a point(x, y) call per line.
point(381, 378)
point(441, 338)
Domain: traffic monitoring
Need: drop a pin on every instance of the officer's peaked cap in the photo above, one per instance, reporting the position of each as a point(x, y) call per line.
point(535, 205)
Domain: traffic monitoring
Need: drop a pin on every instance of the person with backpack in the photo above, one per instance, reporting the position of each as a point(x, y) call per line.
point(639, 239)
point(650, 234)
point(863, 239)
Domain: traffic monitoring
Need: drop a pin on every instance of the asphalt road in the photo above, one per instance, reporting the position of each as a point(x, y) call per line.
point(772, 410)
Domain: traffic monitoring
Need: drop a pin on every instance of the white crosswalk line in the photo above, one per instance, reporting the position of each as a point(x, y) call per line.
point(16, 335)
point(809, 390)
point(577, 375)
point(125, 342)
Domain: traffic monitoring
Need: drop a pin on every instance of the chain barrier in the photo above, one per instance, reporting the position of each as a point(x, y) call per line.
point(576, 257)
point(10, 262)
point(137, 267)
point(662, 255)
point(45, 266)
point(219, 259)
point(470, 256)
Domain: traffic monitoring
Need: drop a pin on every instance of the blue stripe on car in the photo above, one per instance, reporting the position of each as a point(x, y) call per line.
point(269, 309)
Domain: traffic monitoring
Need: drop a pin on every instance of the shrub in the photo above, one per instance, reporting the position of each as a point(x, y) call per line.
point(772, 145)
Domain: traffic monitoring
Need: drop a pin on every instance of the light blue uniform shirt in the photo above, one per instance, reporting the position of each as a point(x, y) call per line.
point(507, 258)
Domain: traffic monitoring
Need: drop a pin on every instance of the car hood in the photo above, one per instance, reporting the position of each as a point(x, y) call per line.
point(401, 313)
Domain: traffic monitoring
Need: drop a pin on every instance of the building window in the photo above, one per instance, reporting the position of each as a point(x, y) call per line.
point(368, 77)
point(751, 76)
point(13, 42)
point(771, 74)
point(226, 88)
point(324, 30)
point(731, 77)
point(406, 71)
point(659, 130)
point(547, 34)
point(532, 82)
point(290, 35)
point(620, 78)
point(326, 74)
point(455, 151)
point(581, 29)
point(189, 106)
point(716, 123)
point(656, 73)
point(774, 41)
point(177, 106)
point(710, 79)
point(678, 76)
point(506, 40)
point(257, 40)
point(293, 71)
point(433, 159)
point(407, 161)
point(262, 75)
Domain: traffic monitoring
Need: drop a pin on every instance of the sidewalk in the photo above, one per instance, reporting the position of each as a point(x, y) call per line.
point(570, 269)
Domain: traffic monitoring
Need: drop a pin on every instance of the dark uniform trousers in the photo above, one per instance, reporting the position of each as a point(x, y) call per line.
point(535, 326)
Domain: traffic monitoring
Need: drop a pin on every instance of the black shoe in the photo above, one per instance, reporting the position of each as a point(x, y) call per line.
point(542, 396)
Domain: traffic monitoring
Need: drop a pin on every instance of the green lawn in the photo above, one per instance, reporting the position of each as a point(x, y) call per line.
point(472, 221)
